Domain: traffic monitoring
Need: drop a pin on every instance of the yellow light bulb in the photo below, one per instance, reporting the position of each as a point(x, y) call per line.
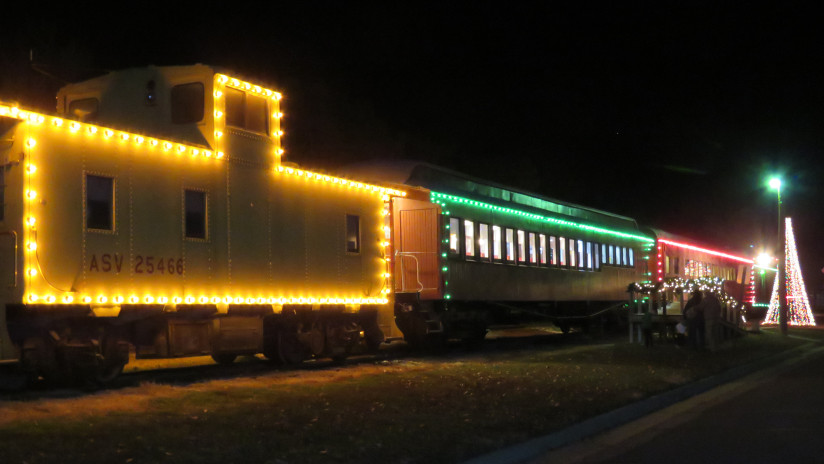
point(108, 133)
point(167, 146)
point(118, 299)
point(176, 300)
point(31, 143)
point(102, 299)
point(138, 139)
point(32, 246)
point(33, 297)
point(148, 299)
point(68, 299)
point(153, 142)
point(133, 299)
point(74, 127)
point(218, 114)
point(92, 130)
point(124, 136)
point(189, 300)
point(31, 194)
point(57, 122)
point(203, 300)
point(31, 169)
point(163, 300)
point(218, 94)
point(220, 155)
point(218, 134)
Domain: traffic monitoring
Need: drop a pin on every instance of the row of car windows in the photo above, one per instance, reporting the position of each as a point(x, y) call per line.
point(100, 208)
point(497, 244)
point(242, 110)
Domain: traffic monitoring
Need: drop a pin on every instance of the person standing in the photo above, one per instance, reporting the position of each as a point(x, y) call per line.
point(690, 313)
point(711, 306)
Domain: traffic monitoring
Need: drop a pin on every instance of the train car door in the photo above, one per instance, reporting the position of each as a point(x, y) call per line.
point(416, 225)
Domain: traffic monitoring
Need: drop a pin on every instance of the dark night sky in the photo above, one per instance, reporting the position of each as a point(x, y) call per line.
point(673, 115)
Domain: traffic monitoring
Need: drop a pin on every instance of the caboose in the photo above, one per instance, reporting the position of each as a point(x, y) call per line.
point(152, 214)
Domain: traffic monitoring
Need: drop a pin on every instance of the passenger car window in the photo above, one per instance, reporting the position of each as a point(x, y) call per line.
point(510, 245)
point(469, 238)
point(496, 242)
point(454, 232)
point(483, 241)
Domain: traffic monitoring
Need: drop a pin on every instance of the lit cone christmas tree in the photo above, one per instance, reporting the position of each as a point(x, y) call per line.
point(798, 307)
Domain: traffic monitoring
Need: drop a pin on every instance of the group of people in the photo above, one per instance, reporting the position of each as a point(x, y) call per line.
point(701, 321)
point(702, 318)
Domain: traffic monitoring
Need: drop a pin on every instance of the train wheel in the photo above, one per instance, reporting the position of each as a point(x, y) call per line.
point(38, 358)
point(373, 336)
point(290, 351)
point(224, 358)
point(113, 358)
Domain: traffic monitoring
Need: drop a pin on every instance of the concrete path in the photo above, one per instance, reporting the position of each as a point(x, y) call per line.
point(763, 413)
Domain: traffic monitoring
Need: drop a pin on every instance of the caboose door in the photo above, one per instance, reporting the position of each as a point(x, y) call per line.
point(416, 247)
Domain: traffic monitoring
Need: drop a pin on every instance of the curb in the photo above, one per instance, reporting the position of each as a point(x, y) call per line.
point(536, 447)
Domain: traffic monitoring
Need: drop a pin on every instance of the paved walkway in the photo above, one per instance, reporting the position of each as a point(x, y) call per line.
point(774, 414)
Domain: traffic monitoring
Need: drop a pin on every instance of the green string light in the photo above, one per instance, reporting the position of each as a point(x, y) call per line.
point(435, 197)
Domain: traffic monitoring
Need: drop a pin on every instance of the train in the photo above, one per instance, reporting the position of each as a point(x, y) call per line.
point(153, 215)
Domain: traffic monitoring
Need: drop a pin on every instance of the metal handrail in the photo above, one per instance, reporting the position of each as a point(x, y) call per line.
point(410, 254)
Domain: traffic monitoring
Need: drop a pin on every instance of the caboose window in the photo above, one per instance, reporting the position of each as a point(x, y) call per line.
point(611, 258)
point(553, 251)
point(84, 109)
point(99, 202)
point(521, 247)
point(194, 205)
point(483, 241)
point(454, 230)
point(603, 253)
point(496, 242)
point(533, 252)
point(256, 115)
point(235, 108)
point(469, 238)
point(2, 193)
point(246, 111)
point(187, 103)
point(631, 257)
point(596, 259)
point(352, 233)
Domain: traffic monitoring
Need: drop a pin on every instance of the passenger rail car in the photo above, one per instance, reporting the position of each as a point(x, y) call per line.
point(467, 250)
point(153, 213)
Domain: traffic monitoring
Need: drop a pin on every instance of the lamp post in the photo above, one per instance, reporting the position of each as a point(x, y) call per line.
point(775, 184)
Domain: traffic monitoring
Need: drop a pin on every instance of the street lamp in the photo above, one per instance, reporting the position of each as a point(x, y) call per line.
point(775, 184)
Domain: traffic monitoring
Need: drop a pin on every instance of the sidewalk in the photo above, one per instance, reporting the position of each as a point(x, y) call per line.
point(551, 448)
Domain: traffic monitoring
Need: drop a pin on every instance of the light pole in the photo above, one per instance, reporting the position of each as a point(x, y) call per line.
point(775, 184)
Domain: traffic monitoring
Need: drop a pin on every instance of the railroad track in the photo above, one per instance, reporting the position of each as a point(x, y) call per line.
point(185, 371)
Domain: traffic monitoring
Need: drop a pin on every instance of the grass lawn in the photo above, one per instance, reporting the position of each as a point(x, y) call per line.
point(402, 411)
